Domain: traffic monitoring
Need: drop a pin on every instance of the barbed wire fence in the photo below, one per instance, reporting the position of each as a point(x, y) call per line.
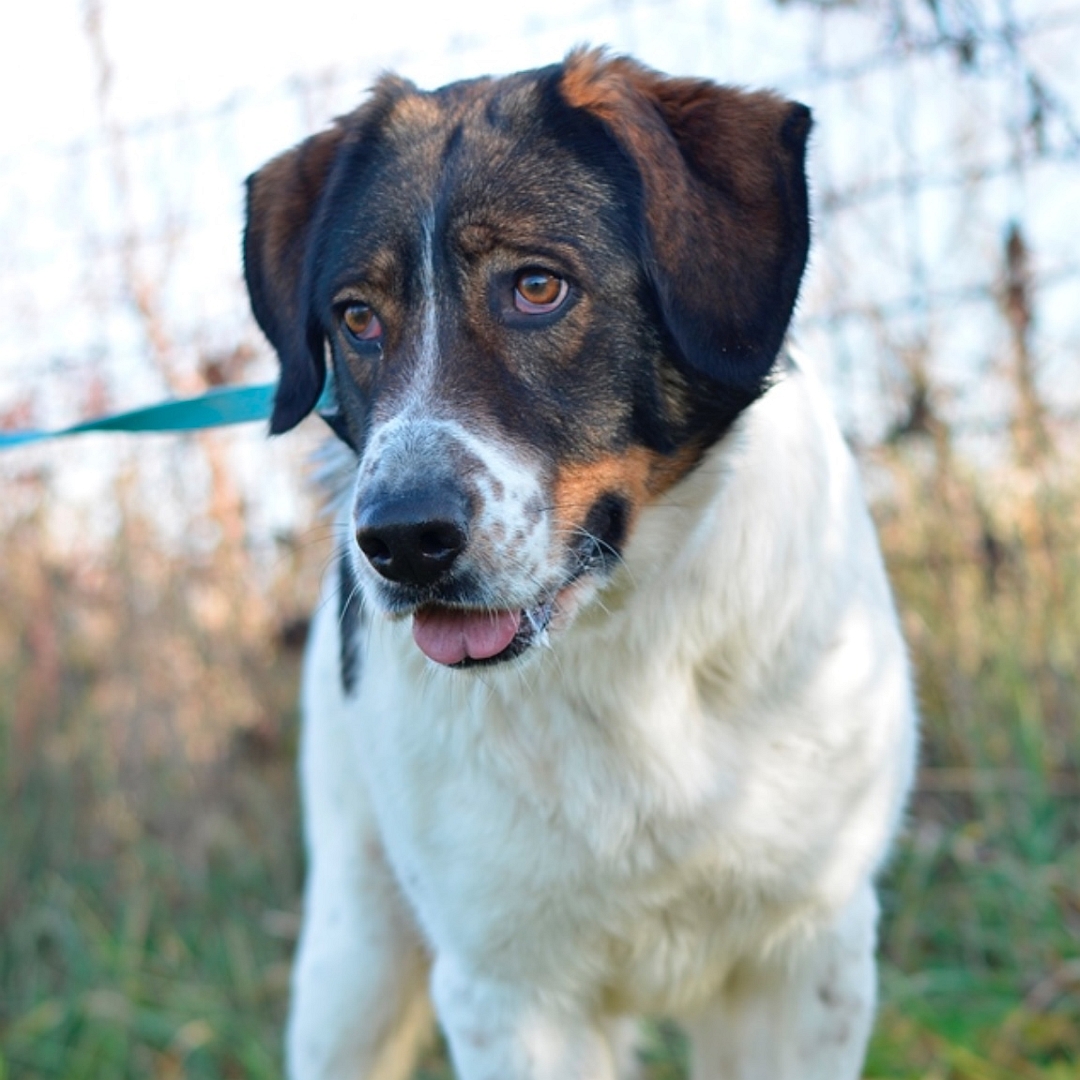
point(945, 280)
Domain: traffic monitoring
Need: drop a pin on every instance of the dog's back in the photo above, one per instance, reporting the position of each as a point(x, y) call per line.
point(680, 745)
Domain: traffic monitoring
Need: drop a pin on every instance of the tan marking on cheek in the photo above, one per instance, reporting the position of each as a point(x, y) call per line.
point(639, 475)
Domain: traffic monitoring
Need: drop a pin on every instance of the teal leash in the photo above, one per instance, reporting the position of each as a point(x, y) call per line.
point(217, 408)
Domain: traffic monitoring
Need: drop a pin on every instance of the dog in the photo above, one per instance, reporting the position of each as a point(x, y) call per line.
point(607, 711)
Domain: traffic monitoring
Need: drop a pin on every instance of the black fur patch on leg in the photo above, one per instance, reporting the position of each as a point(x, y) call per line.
point(351, 618)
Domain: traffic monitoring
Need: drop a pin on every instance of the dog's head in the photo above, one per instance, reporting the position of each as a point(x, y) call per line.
point(543, 297)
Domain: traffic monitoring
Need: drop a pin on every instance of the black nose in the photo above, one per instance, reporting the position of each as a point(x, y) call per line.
point(413, 538)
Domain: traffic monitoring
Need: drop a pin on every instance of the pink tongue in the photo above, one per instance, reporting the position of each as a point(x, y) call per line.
point(448, 636)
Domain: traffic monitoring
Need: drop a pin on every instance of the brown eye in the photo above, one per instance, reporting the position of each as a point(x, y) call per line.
point(537, 292)
point(362, 322)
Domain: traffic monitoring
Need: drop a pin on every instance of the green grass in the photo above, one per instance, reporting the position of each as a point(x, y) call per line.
point(131, 963)
point(128, 961)
point(980, 925)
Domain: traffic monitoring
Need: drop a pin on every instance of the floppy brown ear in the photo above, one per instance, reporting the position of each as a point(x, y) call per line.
point(727, 223)
point(282, 198)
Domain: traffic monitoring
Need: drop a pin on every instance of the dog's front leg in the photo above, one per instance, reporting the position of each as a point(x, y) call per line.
point(803, 1016)
point(359, 990)
point(359, 1003)
point(500, 1031)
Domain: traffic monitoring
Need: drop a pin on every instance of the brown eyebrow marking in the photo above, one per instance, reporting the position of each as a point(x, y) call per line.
point(353, 293)
point(477, 238)
point(482, 237)
point(381, 273)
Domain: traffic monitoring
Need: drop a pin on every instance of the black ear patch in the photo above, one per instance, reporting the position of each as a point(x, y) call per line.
point(727, 227)
point(282, 200)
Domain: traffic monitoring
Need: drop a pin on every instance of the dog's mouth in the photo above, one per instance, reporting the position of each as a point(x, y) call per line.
point(468, 637)
point(451, 631)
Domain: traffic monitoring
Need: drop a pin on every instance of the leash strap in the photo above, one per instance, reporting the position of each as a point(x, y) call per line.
point(217, 408)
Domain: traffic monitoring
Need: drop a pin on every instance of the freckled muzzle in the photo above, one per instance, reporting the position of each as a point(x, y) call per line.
point(440, 524)
point(460, 536)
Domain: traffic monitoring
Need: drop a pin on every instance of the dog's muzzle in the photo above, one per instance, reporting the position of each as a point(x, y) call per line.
point(414, 540)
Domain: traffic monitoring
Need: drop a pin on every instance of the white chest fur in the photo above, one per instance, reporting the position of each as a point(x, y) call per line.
point(706, 765)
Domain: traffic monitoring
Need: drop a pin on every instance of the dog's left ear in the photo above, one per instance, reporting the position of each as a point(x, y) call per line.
point(282, 199)
point(727, 223)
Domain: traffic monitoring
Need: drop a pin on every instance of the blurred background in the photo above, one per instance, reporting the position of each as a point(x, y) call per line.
point(155, 590)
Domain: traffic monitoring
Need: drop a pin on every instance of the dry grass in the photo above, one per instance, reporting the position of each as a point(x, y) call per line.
point(150, 869)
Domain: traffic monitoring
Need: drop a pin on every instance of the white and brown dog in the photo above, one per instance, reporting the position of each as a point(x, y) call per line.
point(611, 715)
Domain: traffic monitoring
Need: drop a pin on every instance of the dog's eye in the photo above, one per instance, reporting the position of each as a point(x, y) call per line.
point(537, 292)
point(361, 322)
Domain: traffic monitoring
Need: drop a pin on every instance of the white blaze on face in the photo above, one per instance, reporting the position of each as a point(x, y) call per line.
point(427, 358)
point(514, 552)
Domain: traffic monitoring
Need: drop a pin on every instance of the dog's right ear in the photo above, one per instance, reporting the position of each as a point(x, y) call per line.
point(282, 201)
